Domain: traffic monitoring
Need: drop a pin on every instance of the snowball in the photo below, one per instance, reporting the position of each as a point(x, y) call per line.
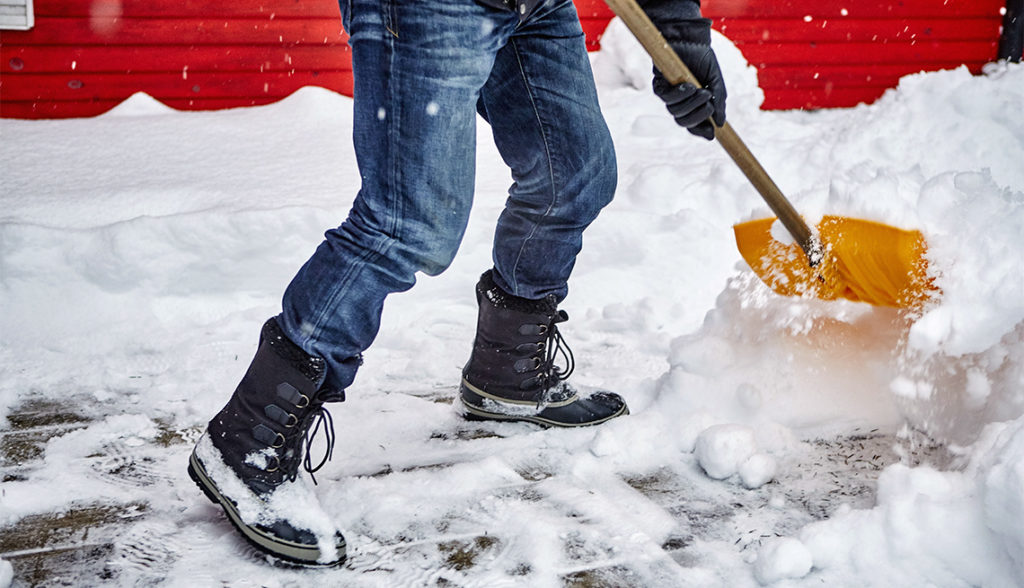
point(785, 558)
point(758, 470)
point(721, 449)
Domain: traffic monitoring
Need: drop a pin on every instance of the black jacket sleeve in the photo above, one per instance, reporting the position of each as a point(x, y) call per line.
point(678, 20)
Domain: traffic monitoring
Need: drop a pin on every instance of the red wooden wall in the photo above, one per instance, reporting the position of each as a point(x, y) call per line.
point(828, 53)
point(85, 56)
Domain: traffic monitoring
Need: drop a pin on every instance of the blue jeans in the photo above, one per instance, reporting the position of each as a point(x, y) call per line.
point(423, 70)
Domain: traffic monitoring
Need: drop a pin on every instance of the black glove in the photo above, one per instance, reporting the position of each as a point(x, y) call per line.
point(690, 36)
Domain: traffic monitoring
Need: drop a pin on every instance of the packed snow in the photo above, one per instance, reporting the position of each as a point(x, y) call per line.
point(142, 250)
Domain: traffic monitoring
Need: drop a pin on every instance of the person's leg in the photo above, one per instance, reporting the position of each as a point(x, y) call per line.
point(542, 106)
point(419, 66)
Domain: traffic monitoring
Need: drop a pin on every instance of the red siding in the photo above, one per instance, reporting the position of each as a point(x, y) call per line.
point(832, 53)
point(85, 56)
point(825, 53)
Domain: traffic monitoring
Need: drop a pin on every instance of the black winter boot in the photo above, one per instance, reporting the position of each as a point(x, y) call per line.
point(248, 460)
point(511, 374)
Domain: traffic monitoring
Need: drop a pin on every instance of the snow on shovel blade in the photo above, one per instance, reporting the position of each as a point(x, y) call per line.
point(864, 261)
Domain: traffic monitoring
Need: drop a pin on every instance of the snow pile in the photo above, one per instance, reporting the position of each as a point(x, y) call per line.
point(943, 528)
point(143, 249)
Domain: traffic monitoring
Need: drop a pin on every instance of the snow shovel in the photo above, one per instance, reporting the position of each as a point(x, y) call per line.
point(850, 258)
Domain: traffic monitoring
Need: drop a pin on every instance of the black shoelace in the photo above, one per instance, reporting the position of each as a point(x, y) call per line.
point(556, 346)
point(323, 419)
point(550, 373)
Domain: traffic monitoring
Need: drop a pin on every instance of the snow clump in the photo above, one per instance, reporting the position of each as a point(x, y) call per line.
point(784, 558)
point(726, 450)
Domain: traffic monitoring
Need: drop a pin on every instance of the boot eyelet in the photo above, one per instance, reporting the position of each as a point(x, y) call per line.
point(279, 441)
point(542, 329)
point(303, 401)
point(276, 464)
point(292, 421)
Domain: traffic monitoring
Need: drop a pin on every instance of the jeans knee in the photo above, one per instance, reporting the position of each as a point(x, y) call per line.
point(597, 175)
point(434, 254)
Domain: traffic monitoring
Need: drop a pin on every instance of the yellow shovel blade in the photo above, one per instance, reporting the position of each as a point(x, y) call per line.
point(864, 261)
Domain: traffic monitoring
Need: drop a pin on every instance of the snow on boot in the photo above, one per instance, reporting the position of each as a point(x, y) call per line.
point(248, 460)
point(511, 374)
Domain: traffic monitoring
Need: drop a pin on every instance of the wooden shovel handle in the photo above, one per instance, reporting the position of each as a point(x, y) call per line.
point(676, 72)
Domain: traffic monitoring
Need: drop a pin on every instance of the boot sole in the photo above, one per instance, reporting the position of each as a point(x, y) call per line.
point(295, 554)
point(475, 413)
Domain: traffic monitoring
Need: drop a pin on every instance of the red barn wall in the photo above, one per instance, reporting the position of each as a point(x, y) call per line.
point(85, 56)
point(828, 53)
point(835, 53)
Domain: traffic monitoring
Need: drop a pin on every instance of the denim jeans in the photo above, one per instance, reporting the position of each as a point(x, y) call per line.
point(423, 70)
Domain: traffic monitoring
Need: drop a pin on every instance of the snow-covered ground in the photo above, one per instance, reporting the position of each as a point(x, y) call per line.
point(771, 440)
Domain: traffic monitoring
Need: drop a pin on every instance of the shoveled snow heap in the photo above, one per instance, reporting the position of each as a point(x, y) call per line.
point(142, 249)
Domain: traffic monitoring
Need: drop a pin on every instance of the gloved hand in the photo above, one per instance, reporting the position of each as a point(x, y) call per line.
point(689, 105)
point(690, 36)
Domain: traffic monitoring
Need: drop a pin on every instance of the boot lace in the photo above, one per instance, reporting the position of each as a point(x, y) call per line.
point(550, 375)
point(316, 420)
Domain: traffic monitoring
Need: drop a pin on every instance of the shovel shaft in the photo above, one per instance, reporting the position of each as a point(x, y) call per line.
point(676, 72)
point(770, 192)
